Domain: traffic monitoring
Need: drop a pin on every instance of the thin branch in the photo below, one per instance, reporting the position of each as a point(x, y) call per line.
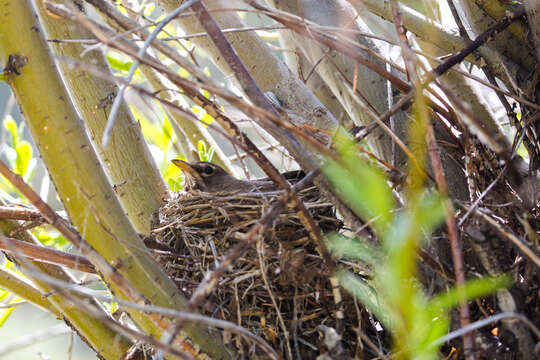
point(518, 242)
point(119, 97)
point(484, 322)
point(46, 255)
point(453, 235)
point(18, 213)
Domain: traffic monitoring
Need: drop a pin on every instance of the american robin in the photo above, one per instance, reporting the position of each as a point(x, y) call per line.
point(208, 177)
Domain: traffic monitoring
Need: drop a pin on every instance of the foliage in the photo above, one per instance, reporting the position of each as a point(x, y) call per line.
point(7, 298)
point(18, 152)
point(394, 294)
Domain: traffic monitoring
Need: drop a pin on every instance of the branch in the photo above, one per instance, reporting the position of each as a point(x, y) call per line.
point(82, 184)
point(45, 254)
point(15, 284)
point(139, 185)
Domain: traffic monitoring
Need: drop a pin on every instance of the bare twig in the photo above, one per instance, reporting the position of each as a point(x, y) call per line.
point(453, 235)
point(518, 242)
point(484, 322)
point(119, 97)
point(18, 213)
point(45, 254)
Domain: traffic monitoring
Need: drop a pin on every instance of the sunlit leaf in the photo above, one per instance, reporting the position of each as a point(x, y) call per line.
point(11, 126)
point(173, 175)
point(183, 73)
point(201, 149)
point(210, 153)
point(207, 119)
point(149, 9)
point(4, 315)
point(24, 155)
point(118, 64)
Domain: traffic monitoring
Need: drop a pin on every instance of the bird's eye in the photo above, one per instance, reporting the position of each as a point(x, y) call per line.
point(208, 170)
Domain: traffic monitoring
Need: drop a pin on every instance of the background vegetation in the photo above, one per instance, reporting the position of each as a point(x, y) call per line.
point(417, 120)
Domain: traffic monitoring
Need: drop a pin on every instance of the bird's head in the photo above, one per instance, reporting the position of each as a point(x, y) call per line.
point(204, 176)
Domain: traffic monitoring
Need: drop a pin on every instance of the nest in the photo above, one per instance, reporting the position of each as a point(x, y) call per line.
point(278, 289)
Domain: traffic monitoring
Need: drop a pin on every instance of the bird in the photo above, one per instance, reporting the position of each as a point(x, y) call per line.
point(208, 177)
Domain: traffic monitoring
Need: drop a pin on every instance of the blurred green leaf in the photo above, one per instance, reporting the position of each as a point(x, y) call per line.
point(201, 149)
point(174, 185)
point(11, 126)
point(362, 185)
point(149, 9)
point(173, 175)
point(211, 153)
point(51, 237)
point(167, 129)
point(24, 155)
point(364, 292)
point(472, 289)
point(4, 315)
point(118, 64)
point(183, 73)
point(207, 119)
point(353, 248)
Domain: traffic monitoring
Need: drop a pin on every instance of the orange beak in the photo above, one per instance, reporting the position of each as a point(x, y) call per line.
point(187, 169)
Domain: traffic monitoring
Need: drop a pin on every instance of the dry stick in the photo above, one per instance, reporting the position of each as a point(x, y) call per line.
point(46, 255)
point(517, 241)
point(260, 256)
point(73, 236)
point(17, 213)
point(480, 40)
point(455, 244)
point(488, 321)
point(331, 41)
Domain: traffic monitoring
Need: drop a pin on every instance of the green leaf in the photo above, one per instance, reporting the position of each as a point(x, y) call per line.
point(201, 149)
point(471, 290)
point(207, 119)
point(173, 175)
point(174, 185)
point(364, 292)
point(353, 248)
point(211, 153)
point(11, 126)
point(51, 238)
point(149, 9)
point(364, 189)
point(4, 315)
point(183, 73)
point(118, 64)
point(24, 155)
point(167, 129)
